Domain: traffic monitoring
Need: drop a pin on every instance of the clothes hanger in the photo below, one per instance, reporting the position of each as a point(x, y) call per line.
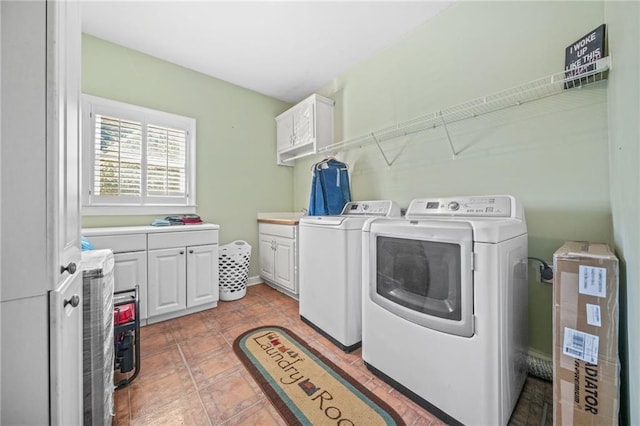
point(317, 165)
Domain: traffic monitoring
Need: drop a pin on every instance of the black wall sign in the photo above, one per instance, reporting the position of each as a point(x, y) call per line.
point(581, 54)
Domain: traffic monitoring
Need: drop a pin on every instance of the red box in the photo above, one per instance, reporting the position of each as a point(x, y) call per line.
point(122, 314)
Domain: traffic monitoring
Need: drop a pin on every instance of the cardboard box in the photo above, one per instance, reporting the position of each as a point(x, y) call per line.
point(586, 368)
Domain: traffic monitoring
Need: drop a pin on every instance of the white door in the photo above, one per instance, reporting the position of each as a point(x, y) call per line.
point(284, 263)
point(63, 128)
point(63, 198)
point(131, 270)
point(202, 275)
point(65, 327)
point(166, 287)
point(267, 257)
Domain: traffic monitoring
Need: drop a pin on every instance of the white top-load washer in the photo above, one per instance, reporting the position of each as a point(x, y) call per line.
point(330, 271)
point(445, 305)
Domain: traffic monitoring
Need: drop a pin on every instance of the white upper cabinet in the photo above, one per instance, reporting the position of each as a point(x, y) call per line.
point(303, 129)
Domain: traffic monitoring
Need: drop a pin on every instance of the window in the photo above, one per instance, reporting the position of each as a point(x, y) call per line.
point(136, 160)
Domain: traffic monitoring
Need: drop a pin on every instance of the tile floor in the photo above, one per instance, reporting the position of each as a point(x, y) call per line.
point(191, 376)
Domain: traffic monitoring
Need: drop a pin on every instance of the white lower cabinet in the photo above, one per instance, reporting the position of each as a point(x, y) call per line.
point(278, 256)
point(284, 250)
point(167, 273)
point(130, 256)
point(267, 257)
point(182, 278)
point(202, 275)
point(130, 270)
point(176, 268)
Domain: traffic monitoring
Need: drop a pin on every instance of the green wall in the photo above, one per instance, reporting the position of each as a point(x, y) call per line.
point(623, 20)
point(551, 154)
point(237, 175)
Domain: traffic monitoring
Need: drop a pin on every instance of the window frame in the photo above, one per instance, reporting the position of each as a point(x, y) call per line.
point(146, 204)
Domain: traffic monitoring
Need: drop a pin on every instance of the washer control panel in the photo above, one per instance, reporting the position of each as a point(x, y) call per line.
point(484, 206)
point(371, 208)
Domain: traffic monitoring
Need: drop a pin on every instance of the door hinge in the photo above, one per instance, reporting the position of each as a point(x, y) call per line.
point(474, 261)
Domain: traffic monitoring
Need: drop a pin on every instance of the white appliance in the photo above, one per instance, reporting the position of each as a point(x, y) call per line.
point(97, 335)
point(445, 305)
point(331, 270)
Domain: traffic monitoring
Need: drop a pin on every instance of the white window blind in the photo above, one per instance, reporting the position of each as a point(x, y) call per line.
point(138, 160)
point(166, 161)
point(118, 157)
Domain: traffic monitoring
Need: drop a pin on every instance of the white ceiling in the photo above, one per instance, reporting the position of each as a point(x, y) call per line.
point(286, 50)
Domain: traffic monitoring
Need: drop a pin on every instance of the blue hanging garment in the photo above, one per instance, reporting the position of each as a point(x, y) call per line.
point(329, 188)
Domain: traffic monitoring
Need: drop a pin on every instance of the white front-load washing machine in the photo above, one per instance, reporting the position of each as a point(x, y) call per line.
point(445, 305)
point(330, 270)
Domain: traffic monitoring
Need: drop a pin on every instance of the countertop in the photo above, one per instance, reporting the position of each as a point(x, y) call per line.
point(280, 218)
point(117, 230)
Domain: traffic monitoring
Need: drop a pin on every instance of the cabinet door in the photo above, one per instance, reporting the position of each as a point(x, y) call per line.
point(285, 263)
point(166, 287)
point(303, 124)
point(202, 275)
point(63, 112)
point(266, 257)
point(65, 306)
point(131, 270)
point(284, 132)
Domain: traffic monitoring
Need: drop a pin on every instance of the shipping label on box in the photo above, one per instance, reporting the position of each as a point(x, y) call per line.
point(580, 345)
point(592, 280)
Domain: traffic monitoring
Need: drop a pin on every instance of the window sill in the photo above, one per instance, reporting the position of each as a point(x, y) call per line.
point(114, 210)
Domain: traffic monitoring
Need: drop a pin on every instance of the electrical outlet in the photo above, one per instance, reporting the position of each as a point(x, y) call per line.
point(546, 274)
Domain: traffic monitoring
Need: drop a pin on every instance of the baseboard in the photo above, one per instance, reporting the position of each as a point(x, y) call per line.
point(540, 365)
point(254, 280)
point(540, 355)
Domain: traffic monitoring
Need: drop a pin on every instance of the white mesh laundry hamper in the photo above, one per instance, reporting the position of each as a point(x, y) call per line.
point(233, 263)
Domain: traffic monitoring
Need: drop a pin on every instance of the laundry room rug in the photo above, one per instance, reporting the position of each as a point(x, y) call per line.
point(304, 386)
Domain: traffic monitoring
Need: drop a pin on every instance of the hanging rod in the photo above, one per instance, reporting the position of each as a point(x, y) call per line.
point(537, 89)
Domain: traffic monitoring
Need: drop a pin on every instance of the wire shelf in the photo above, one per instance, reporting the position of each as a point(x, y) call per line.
point(537, 89)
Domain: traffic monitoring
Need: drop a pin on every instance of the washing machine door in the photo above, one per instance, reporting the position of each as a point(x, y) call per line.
point(422, 271)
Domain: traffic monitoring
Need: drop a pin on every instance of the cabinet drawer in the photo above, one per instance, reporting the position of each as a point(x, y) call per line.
point(286, 231)
point(182, 239)
point(120, 243)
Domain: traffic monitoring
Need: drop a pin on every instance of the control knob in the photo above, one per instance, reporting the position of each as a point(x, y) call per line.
point(453, 205)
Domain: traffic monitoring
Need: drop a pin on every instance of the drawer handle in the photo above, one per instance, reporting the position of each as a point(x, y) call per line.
point(181, 251)
point(71, 268)
point(190, 251)
point(74, 301)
